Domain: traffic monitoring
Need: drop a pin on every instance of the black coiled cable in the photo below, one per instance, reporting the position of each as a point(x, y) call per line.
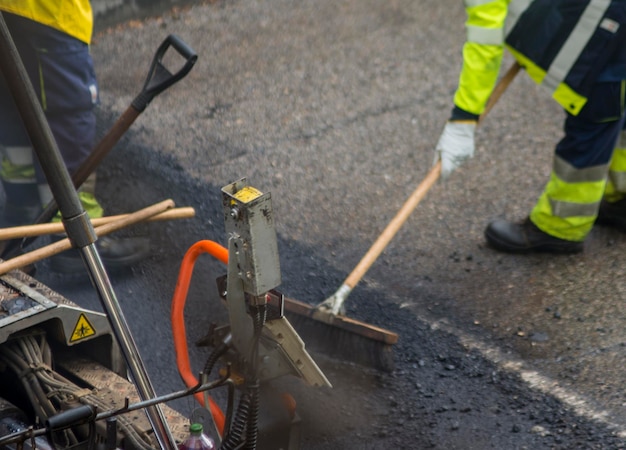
point(253, 416)
point(247, 416)
point(235, 437)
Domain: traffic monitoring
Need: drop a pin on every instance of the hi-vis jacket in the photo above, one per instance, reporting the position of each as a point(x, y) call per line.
point(565, 45)
point(73, 17)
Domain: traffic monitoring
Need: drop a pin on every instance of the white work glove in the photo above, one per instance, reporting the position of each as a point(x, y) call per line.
point(455, 145)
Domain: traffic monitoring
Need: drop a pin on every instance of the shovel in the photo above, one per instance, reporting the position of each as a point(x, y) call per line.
point(159, 78)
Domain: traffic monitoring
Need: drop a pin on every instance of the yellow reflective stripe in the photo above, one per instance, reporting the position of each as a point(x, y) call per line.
point(565, 96)
point(481, 66)
point(486, 36)
point(573, 198)
point(490, 15)
point(570, 174)
point(617, 172)
point(90, 204)
point(535, 72)
point(568, 210)
point(569, 99)
point(16, 172)
point(576, 43)
point(42, 88)
point(571, 228)
point(616, 186)
point(482, 53)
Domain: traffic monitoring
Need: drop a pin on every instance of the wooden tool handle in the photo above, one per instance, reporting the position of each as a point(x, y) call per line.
point(392, 228)
point(41, 229)
point(102, 230)
point(411, 203)
point(502, 86)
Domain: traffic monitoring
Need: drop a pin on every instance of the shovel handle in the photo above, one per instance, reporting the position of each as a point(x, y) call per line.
point(392, 228)
point(157, 80)
point(500, 88)
point(65, 244)
point(159, 77)
point(40, 229)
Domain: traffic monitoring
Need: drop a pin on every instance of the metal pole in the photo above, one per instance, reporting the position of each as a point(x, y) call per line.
point(129, 348)
point(76, 222)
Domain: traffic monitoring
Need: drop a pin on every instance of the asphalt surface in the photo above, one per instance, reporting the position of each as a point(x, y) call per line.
point(334, 108)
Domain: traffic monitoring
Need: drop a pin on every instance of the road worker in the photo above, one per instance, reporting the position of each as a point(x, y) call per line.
point(577, 50)
point(52, 39)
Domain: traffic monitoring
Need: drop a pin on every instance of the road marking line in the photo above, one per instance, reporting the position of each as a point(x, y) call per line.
point(576, 402)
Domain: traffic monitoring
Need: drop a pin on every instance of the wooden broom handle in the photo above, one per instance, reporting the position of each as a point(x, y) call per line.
point(40, 229)
point(502, 86)
point(392, 228)
point(418, 194)
point(102, 230)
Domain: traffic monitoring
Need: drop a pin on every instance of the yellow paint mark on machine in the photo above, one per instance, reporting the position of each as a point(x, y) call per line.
point(247, 194)
point(83, 329)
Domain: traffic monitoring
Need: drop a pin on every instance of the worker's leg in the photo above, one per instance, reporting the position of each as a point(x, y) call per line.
point(63, 79)
point(73, 126)
point(16, 164)
point(567, 209)
point(613, 207)
point(616, 185)
point(61, 71)
point(62, 74)
point(22, 203)
point(25, 187)
point(74, 134)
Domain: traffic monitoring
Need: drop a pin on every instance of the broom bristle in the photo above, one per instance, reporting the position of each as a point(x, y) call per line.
point(342, 338)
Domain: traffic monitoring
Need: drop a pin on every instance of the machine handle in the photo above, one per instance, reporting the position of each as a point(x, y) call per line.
point(71, 417)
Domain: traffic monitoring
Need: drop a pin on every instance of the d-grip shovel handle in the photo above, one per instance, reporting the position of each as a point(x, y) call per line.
point(159, 78)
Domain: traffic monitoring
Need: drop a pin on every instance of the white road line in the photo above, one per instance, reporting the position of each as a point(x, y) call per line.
point(535, 380)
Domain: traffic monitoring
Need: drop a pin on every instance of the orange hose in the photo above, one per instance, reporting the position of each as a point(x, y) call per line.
point(178, 321)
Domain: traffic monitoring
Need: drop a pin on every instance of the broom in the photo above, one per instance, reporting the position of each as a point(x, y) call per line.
point(324, 327)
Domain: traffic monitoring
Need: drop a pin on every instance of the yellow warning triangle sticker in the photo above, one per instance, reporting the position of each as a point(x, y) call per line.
point(82, 330)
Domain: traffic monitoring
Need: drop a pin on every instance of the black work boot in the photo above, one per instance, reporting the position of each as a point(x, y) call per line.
point(613, 214)
point(525, 237)
point(115, 253)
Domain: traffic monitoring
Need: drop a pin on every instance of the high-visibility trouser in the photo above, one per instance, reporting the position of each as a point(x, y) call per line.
point(17, 170)
point(592, 152)
point(616, 184)
point(61, 72)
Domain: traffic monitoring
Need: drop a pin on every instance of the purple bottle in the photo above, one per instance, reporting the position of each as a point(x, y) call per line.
point(197, 440)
